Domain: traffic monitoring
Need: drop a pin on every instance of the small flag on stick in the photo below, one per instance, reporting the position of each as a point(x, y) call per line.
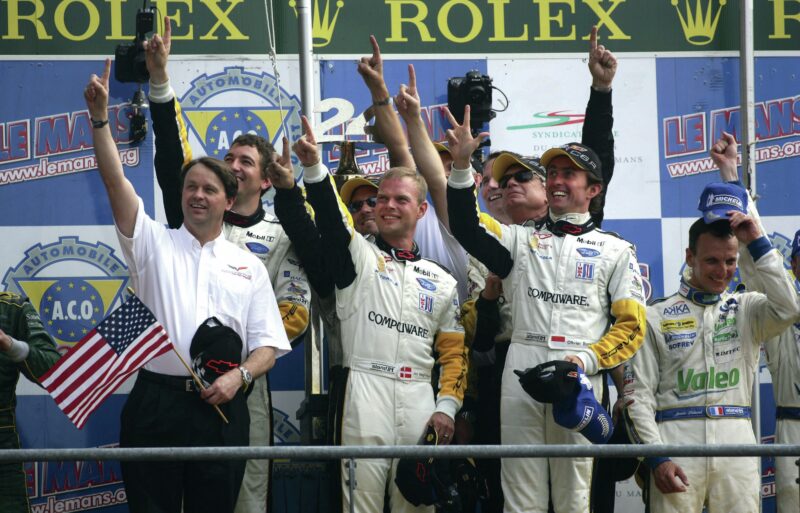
point(97, 365)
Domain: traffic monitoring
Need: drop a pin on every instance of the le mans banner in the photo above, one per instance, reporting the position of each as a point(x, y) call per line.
point(238, 27)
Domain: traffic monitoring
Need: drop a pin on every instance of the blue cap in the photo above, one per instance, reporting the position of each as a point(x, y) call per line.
point(718, 199)
point(796, 244)
point(584, 414)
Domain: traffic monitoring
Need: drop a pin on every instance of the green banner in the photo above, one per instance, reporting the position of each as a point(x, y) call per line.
point(75, 27)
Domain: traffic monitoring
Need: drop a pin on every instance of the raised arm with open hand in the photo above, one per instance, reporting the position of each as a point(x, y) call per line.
point(460, 140)
point(602, 63)
point(121, 194)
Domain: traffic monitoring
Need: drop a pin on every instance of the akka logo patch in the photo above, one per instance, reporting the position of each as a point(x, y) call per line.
point(222, 106)
point(426, 284)
point(588, 252)
point(679, 308)
point(72, 284)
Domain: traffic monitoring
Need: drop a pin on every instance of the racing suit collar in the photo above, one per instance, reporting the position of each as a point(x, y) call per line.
point(401, 255)
point(235, 219)
point(569, 224)
point(697, 296)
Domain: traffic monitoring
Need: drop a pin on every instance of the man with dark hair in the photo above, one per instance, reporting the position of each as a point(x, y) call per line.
point(185, 277)
point(576, 294)
point(692, 380)
point(25, 348)
point(397, 310)
point(246, 225)
point(782, 352)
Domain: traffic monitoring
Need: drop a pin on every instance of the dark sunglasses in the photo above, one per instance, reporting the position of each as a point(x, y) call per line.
point(355, 206)
point(525, 175)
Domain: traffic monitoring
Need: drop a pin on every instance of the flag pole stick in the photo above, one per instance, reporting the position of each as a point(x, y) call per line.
point(191, 372)
point(199, 383)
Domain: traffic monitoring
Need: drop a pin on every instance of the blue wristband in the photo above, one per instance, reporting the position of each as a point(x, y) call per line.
point(759, 247)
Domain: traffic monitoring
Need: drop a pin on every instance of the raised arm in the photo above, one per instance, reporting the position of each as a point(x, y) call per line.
point(296, 221)
point(169, 129)
point(598, 125)
point(386, 122)
point(479, 234)
point(332, 218)
point(121, 194)
point(425, 155)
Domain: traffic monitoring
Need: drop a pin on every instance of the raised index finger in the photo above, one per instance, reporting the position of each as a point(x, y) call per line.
point(167, 31)
point(593, 39)
point(412, 79)
point(106, 72)
point(376, 50)
point(308, 131)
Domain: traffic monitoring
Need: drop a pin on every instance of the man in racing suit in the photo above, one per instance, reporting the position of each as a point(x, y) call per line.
point(783, 359)
point(248, 226)
point(575, 294)
point(25, 348)
point(396, 310)
point(782, 352)
point(692, 380)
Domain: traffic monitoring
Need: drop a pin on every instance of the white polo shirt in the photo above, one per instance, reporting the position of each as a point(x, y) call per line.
point(184, 283)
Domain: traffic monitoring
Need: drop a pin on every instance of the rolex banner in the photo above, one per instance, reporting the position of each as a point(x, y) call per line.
point(676, 91)
point(237, 27)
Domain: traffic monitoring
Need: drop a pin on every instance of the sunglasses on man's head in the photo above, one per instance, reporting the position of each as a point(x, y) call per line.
point(355, 206)
point(522, 176)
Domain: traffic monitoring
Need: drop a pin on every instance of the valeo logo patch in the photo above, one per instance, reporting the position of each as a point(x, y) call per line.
point(693, 381)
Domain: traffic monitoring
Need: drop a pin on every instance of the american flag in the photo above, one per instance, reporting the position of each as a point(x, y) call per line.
point(97, 365)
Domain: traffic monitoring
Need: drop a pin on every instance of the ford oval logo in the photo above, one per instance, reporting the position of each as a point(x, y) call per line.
point(588, 252)
point(425, 284)
point(257, 248)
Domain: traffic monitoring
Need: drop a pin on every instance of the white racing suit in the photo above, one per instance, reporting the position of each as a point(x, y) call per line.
point(783, 359)
point(692, 380)
point(396, 310)
point(261, 235)
point(563, 292)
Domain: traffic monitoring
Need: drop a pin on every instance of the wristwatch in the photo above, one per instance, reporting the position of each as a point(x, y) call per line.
point(247, 378)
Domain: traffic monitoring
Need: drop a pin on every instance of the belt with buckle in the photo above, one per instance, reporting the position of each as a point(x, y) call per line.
point(397, 371)
point(183, 383)
point(704, 412)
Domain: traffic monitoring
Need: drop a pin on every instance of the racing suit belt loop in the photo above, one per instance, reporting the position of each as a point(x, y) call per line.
point(704, 412)
point(398, 371)
point(787, 413)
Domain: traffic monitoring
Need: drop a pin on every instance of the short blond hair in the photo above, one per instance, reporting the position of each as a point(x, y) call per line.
point(400, 172)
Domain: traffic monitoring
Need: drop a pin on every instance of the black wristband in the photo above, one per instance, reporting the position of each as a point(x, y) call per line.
point(96, 123)
point(385, 101)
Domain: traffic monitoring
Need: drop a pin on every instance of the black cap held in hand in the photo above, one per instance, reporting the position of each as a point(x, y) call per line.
point(550, 382)
point(215, 350)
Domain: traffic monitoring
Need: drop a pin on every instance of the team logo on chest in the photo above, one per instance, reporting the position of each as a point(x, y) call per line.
point(584, 271)
point(425, 303)
point(426, 284)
